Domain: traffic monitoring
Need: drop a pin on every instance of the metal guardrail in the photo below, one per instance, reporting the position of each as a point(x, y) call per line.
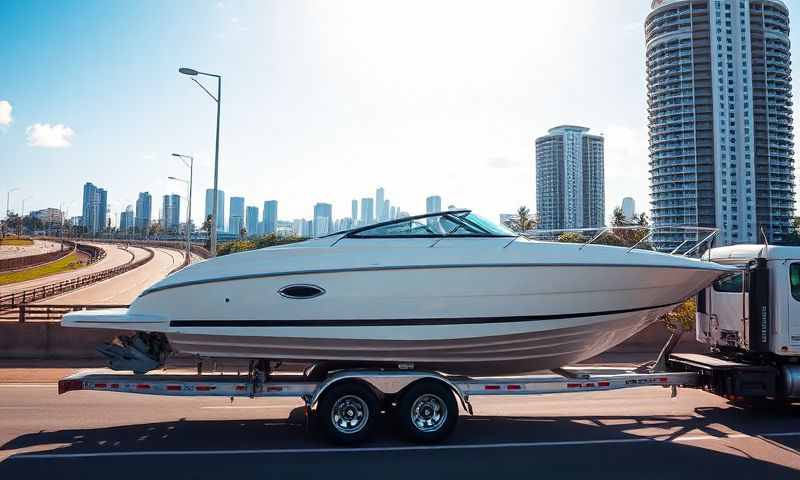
point(16, 299)
point(26, 313)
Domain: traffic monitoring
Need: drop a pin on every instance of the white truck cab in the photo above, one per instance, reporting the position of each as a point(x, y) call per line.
point(756, 311)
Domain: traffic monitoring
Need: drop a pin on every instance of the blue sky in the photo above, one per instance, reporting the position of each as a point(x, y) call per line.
point(322, 101)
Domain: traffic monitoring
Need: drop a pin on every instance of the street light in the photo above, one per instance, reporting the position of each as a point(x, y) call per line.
point(23, 205)
point(193, 73)
point(189, 164)
point(8, 200)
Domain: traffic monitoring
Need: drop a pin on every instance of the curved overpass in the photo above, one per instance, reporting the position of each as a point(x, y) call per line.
point(115, 256)
point(124, 288)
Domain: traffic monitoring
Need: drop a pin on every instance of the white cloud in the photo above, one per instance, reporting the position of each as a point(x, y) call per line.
point(5, 113)
point(49, 136)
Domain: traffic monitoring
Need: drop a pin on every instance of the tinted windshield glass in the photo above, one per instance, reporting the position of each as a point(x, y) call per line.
point(456, 224)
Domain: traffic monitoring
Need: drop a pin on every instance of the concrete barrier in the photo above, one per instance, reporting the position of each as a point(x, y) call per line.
point(49, 340)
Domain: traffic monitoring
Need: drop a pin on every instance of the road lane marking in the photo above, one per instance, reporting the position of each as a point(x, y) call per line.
point(568, 443)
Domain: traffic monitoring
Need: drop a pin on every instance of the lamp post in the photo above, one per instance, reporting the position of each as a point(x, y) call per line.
point(218, 99)
point(189, 164)
point(8, 200)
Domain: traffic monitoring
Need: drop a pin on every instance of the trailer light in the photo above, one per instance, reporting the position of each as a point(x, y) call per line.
point(114, 385)
point(573, 385)
point(241, 388)
point(603, 384)
point(663, 379)
point(274, 389)
point(65, 386)
point(143, 386)
point(204, 388)
point(492, 387)
point(173, 387)
point(100, 385)
point(513, 387)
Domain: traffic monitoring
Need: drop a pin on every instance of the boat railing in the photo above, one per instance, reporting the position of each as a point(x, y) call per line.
point(682, 240)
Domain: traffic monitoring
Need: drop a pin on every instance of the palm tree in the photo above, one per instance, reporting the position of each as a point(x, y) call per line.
point(523, 221)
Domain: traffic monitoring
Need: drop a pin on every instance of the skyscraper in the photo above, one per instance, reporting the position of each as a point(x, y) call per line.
point(570, 186)
point(95, 208)
point(236, 220)
point(172, 212)
point(252, 221)
point(323, 219)
point(628, 208)
point(220, 207)
point(720, 118)
point(367, 211)
point(144, 208)
point(380, 215)
point(354, 211)
point(126, 219)
point(433, 204)
point(270, 216)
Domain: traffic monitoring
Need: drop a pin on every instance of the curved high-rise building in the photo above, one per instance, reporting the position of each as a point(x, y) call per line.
point(720, 118)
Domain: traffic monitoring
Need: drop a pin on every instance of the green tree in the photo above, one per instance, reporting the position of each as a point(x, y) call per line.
point(683, 315)
point(618, 217)
point(572, 237)
point(523, 221)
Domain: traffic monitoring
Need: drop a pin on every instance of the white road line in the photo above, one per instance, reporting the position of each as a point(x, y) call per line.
point(28, 385)
point(697, 438)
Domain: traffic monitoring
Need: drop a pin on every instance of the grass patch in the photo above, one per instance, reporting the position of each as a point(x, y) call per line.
point(70, 262)
point(16, 242)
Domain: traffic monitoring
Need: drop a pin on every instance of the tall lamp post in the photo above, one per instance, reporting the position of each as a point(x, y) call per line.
point(8, 200)
point(189, 164)
point(218, 99)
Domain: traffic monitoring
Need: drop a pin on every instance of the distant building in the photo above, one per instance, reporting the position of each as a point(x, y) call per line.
point(95, 208)
point(270, 216)
point(171, 211)
point(323, 219)
point(127, 220)
point(393, 213)
point(220, 208)
point(387, 209)
point(48, 216)
point(354, 211)
point(144, 208)
point(570, 184)
point(433, 204)
point(367, 211)
point(380, 214)
point(628, 208)
point(252, 221)
point(236, 219)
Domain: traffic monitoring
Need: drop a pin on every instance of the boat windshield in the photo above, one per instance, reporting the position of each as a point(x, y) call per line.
point(460, 223)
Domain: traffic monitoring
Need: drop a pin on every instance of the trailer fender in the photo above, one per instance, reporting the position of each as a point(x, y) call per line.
point(387, 382)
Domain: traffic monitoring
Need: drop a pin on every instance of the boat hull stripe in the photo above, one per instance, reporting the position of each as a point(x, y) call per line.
point(400, 321)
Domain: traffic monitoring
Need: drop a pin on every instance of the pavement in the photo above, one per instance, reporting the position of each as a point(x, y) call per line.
point(123, 289)
point(633, 433)
point(115, 256)
point(39, 247)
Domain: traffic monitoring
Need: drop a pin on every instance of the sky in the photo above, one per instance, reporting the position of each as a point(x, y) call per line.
point(322, 101)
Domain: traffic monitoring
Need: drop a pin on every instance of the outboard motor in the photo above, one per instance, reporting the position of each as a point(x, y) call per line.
point(139, 353)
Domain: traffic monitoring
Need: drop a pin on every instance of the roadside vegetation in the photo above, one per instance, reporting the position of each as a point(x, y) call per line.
point(15, 242)
point(254, 243)
point(68, 263)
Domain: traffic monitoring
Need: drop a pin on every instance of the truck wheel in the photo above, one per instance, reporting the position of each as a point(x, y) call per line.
point(346, 413)
point(427, 412)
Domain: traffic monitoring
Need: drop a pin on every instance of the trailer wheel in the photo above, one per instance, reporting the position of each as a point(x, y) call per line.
point(427, 412)
point(347, 413)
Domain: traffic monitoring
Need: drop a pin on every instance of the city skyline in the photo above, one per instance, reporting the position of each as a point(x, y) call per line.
point(486, 167)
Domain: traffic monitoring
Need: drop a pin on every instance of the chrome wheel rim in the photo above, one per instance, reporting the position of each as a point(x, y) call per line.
point(428, 413)
point(349, 414)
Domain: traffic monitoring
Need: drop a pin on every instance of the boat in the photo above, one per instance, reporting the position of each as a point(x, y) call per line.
point(447, 291)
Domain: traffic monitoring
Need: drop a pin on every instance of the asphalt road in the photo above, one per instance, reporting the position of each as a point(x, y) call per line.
point(123, 289)
point(637, 433)
point(115, 256)
point(39, 247)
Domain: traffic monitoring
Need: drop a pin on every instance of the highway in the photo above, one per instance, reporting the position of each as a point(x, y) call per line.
point(123, 289)
point(637, 433)
point(39, 247)
point(115, 256)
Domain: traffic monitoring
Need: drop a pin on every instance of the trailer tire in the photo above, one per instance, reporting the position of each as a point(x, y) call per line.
point(427, 412)
point(347, 413)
